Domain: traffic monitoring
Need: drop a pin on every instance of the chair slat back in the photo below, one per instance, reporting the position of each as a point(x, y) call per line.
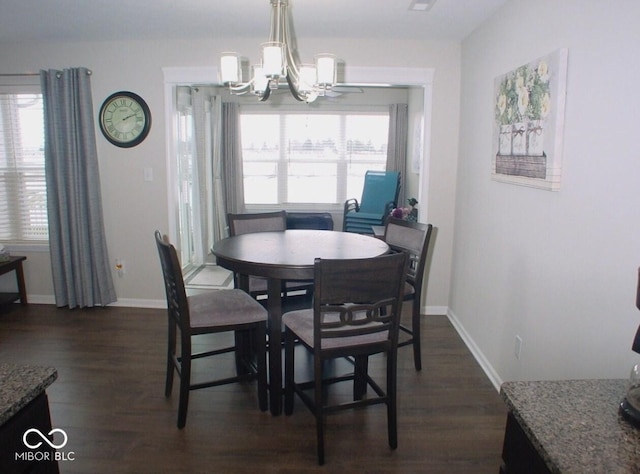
point(413, 239)
point(380, 188)
point(177, 304)
point(358, 297)
point(257, 222)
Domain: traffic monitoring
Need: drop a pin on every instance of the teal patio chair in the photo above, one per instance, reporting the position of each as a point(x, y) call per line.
point(379, 197)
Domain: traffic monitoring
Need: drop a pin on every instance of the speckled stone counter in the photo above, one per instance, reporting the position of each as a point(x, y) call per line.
point(573, 425)
point(19, 385)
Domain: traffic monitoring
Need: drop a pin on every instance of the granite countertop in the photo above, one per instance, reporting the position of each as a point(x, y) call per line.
point(20, 384)
point(575, 425)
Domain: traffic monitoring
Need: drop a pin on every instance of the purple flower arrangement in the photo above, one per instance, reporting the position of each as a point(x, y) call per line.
point(406, 213)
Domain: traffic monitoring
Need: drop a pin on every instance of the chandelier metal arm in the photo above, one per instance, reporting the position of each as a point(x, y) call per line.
point(241, 89)
point(280, 59)
point(278, 20)
point(265, 95)
point(294, 90)
point(292, 71)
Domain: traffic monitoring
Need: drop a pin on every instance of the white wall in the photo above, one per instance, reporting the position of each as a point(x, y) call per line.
point(557, 268)
point(134, 208)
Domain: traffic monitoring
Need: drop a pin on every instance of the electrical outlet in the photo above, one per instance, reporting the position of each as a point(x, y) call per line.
point(120, 267)
point(518, 346)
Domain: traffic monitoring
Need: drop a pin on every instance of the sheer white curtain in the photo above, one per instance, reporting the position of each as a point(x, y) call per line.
point(202, 181)
point(207, 196)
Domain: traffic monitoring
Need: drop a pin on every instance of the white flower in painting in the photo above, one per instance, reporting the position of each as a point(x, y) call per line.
point(523, 100)
point(543, 71)
point(502, 103)
point(519, 82)
point(545, 105)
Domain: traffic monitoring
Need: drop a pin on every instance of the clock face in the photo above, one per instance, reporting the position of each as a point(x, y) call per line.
point(125, 119)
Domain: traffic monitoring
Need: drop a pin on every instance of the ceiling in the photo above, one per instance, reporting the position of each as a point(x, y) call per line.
point(106, 20)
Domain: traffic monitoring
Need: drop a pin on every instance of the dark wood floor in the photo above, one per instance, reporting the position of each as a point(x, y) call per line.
point(109, 399)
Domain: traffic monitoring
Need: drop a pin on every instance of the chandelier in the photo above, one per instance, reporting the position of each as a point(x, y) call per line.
point(280, 62)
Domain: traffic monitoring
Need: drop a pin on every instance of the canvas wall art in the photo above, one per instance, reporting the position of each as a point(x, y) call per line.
point(529, 123)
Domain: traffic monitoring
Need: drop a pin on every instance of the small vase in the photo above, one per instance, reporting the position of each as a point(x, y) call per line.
point(519, 144)
point(413, 215)
point(504, 146)
point(535, 138)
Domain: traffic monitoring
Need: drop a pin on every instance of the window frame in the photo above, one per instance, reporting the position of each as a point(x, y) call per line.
point(342, 189)
point(24, 84)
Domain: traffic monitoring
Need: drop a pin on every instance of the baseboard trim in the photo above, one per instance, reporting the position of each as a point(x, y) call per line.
point(41, 299)
point(139, 303)
point(434, 310)
point(121, 302)
point(475, 350)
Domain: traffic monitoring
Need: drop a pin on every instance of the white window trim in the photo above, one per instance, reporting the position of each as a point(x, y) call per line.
point(362, 76)
point(17, 84)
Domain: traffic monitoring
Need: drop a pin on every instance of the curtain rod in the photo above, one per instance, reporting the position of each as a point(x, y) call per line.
point(28, 74)
point(21, 74)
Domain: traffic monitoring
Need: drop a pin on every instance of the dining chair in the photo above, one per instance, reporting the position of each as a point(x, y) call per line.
point(245, 223)
point(412, 238)
point(211, 312)
point(356, 313)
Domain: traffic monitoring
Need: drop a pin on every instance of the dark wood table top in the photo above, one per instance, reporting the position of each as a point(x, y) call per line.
point(290, 254)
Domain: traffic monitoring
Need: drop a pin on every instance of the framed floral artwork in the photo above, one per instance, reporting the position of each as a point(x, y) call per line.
point(529, 107)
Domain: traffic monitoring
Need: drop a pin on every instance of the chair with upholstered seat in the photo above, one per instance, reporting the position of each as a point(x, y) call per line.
point(207, 313)
point(413, 239)
point(246, 223)
point(356, 313)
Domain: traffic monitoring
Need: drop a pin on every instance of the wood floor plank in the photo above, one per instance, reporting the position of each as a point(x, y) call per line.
point(109, 399)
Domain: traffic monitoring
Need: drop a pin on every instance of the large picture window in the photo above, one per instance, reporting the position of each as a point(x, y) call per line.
point(23, 197)
point(297, 160)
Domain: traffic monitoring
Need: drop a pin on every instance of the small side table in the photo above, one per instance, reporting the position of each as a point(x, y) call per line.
point(378, 231)
point(14, 264)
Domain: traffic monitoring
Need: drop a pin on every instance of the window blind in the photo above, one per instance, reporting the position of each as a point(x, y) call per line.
point(307, 160)
point(23, 203)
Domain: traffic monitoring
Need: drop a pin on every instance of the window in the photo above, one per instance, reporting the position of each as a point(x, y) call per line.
point(187, 174)
point(23, 199)
point(299, 159)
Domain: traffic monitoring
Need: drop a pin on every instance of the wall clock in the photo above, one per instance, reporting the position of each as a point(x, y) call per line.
point(125, 119)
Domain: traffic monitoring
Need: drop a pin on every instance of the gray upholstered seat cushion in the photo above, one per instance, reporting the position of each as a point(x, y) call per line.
point(301, 323)
point(409, 290)
point(224, 307)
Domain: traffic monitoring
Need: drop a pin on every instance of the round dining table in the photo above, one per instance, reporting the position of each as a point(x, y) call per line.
point(287, 255)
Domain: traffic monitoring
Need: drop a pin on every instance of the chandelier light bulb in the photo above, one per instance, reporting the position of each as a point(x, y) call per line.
point(230, 72)
point(306, 82)
point(307, 78)
point(272, 60)
point(326, 69)
point(260, 81)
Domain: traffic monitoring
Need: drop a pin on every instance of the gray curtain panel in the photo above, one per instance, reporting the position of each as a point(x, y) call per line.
point(79, 258)
point(397, 145)
point(232, 158)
